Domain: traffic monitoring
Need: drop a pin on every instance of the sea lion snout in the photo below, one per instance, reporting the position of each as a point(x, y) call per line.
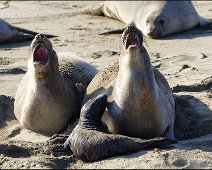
point(94, 107)
point(155, 26)
point(41, 49)
point(131, 38)
point(131, 28)
point(41, 56)
point(40, 37)
point(155, 31)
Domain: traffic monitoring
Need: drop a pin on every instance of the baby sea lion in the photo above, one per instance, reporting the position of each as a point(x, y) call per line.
point(141, 103)
point(50, 94)
point(91, 141)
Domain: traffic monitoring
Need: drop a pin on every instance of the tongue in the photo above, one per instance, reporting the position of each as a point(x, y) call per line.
point(133, 42)
point(41, 55)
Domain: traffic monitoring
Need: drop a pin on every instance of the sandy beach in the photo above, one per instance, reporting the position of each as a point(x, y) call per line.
point(185, 59)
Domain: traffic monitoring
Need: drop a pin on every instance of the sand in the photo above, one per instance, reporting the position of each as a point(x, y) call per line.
point(185, 59)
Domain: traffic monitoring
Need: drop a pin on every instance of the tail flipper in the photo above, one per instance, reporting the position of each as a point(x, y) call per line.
point(93, 10)
point(33, 32)
point(115, 31)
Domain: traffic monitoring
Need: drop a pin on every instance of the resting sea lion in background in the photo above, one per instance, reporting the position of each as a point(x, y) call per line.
point(154, 18)
point(10, 33)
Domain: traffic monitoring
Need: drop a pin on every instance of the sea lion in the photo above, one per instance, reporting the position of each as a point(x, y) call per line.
point(154, 18)
point(50, 94)
point(141, 103)
point(91, 141)
point(10, 33)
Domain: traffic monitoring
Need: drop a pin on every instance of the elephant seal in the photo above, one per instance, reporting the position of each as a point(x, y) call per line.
point(154, 18)
point(141, 103)
point(50, 94)
point(10, 33)
point(91, 141)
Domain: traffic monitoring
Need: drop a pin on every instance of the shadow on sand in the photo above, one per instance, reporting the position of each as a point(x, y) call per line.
point(193, 33)
point(15, 44)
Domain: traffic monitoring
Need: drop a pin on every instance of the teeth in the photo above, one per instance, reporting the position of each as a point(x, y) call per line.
point(130, 39)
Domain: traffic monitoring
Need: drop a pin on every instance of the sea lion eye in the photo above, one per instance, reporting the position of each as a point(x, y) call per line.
point(147, 21)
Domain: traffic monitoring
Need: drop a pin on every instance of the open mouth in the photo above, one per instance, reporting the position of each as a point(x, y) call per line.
point(132, 37)
point(41, 55)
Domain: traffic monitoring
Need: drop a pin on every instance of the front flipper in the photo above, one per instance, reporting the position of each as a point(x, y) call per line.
point(81, 90)
point(169, 132)
point(205, 23)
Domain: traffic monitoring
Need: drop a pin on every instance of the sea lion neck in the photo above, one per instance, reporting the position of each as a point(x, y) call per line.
point(136, 60)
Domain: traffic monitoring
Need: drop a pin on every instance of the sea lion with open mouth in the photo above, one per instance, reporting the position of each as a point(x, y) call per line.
point(50, 94)
point(141, 103)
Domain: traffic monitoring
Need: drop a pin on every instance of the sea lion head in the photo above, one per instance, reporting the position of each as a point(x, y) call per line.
point(43, 57)
point(155, 25)
point(94, 109)
point(131, 39)
point(131, 46)
point(164, 18)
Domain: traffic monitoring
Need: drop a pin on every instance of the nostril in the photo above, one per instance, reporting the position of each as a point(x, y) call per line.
point(153, 33)
point(131, 27)
point(41, 36)
point(161, 22)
